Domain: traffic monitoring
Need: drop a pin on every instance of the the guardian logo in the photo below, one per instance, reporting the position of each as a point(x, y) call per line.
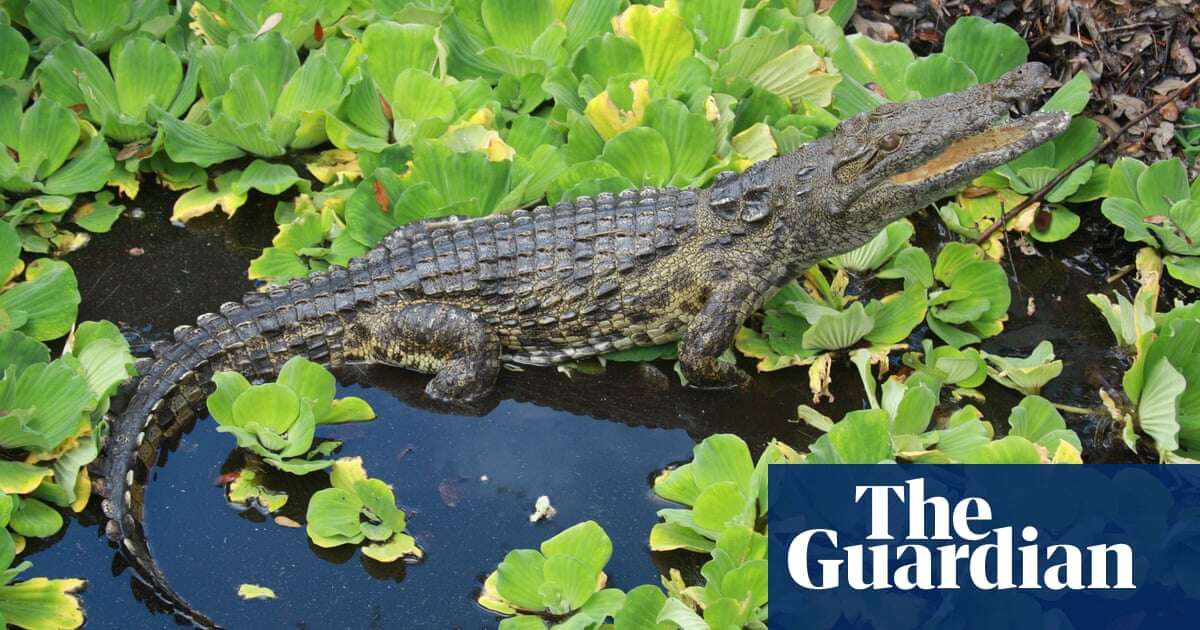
point(974, 555)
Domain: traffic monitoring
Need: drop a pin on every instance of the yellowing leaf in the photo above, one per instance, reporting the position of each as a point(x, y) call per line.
point(201, 201)
point(42, 604)
point(661, 34)
point(754, 144)
point(254, 591)
point(21, 478)
point(1066, 453)
point(335, 165)
point(608, 119)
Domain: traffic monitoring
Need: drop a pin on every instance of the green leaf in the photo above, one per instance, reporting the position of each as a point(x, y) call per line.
point(896, 316)
point(1009, 450)
point(939, 74)
point(797, 75)
point(271, 405)
point(1123, 178)
point(1127, 214)
point(671, 536)
point(869, 61)
point(20, 478)
point(1072, 97)
point(914, 410)
point(690, 139)
point(145, 72)
point(1164, 183)
point(680, 614)
point(315, 86)
point(874, 253)
point(392, 48)
point(48, 133)
point(1027, 375)
point(20, 350)
point(662, 36)
point(35, 519)
point(641, 609)
point(1158, 405)
point(186, 142)
point(861, 437)
point(586, 541)
point(333, 518)
point(1036, 420)
point(722, 505)
point(399, 546)
point(571, 580)
point(246, 102)
point(272, 179)
point(839, 330)
point(86, 172)
point(519, 578)
point(98, 215)
point(1063, 223)
point(49, 298)
point(1184, 269)
point(420, 97)
point(515, 24)
point(720, 458)
point(641, 154)
point(230, 385)
point(16, 53)
point(990, 49)
point(10, 249)
point(104, 357)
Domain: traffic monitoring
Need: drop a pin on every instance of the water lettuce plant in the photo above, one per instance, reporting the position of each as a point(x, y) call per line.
point(1154, 205)
point(972, 296)
point(45, 303)
point(563, 579)
point(808, 325)
point(1025, 374)
point(723, 487)
point(357, 509)
point(15, 58)
point(47, 149)
point(312, 236)
point(36, 603)
point(277, 421)
point(53, 412)
point(144, 79)
point(901, 425)
point(95, 25)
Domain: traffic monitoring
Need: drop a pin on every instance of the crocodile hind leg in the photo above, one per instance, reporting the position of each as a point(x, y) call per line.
point(711, 333)
point(449, 342)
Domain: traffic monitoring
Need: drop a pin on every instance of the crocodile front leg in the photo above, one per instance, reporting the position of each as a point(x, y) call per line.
point(711, 333)
point(447, 341)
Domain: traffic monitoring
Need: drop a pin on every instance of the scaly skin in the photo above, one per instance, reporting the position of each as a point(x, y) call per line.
point(455, 298)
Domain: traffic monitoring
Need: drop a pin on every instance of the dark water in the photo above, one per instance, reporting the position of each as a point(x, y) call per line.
point(468, 483)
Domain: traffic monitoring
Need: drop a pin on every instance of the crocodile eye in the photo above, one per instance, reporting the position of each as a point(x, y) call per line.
point(889, 143)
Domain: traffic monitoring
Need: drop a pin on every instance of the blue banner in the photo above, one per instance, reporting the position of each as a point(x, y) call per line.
point(924, 546)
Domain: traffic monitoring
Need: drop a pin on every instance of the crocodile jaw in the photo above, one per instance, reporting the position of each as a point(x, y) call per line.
point(971, 156)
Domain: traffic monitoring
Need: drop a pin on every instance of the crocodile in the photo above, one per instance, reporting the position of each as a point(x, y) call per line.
point(457, 298)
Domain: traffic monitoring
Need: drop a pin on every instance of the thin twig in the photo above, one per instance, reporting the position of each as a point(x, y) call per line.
point(1058, 179)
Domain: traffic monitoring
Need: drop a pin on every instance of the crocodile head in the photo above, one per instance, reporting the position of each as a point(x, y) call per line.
point(902, 156)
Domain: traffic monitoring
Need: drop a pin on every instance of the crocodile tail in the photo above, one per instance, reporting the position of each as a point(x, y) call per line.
point(160, 407)
point(255, 337)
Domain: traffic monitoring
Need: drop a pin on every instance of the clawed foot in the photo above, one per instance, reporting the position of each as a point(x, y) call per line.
point(458, 386)
point(717, 375)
